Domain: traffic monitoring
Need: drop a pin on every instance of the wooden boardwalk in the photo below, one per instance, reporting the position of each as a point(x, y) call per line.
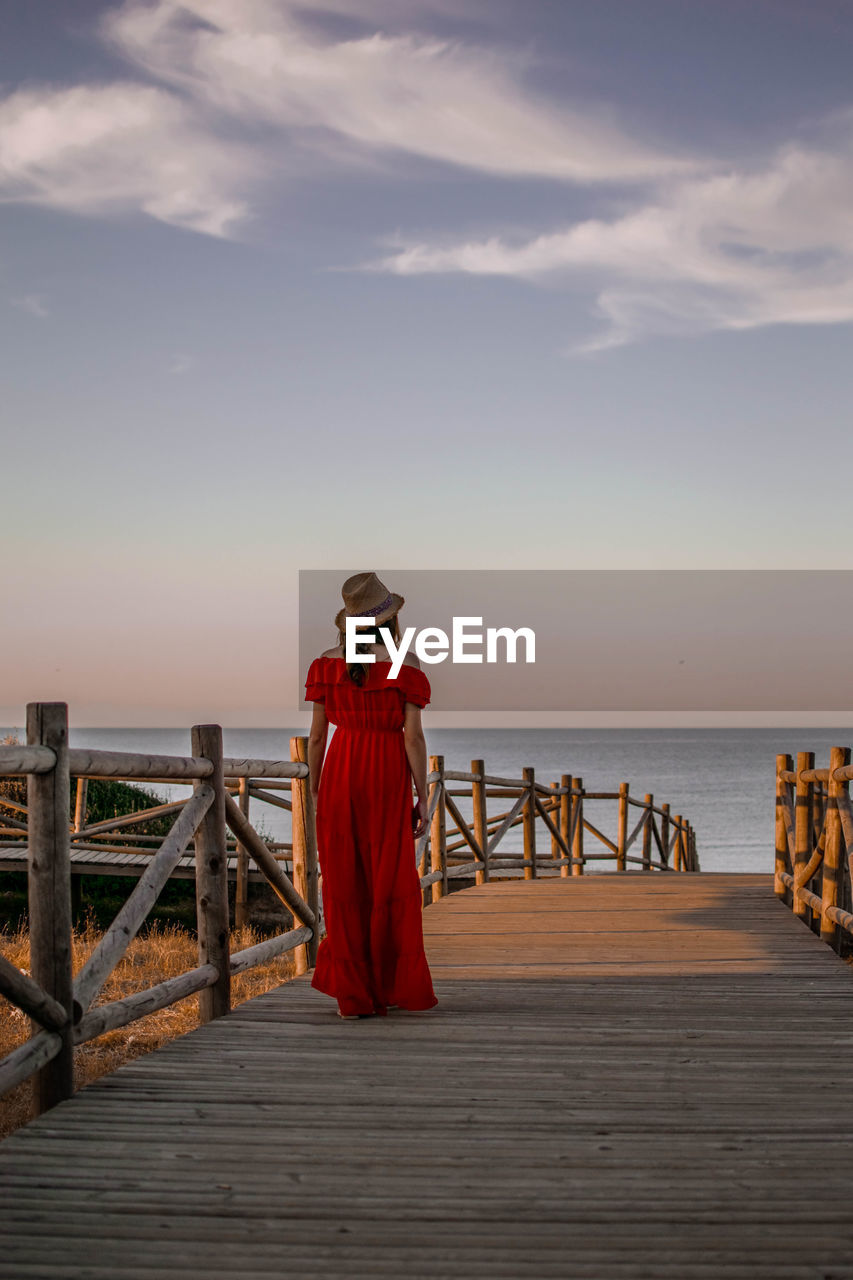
point(626, 1076)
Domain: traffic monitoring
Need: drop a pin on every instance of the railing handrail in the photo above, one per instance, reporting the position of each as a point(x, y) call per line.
point(85, 762)
point(814, 842)
point(51, 995)
point(537, 802)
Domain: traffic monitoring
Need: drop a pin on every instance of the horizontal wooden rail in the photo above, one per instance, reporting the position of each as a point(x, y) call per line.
point(131, 764)
point(17, 760)
point(233, 768)
point(130, 819)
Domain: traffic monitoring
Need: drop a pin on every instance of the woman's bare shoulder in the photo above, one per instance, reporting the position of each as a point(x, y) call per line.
point(412, 660)
point(337, 652)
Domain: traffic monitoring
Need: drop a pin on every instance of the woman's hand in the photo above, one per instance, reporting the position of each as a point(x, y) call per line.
point(423, 819)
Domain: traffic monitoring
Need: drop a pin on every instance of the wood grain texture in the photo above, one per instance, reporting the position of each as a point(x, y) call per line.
point(626, 1076)
point(49, 890)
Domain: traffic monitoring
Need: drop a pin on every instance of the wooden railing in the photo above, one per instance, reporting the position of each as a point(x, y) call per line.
point(814, 843)
point(119, 835)
point(667, 842)
point(61, 1005)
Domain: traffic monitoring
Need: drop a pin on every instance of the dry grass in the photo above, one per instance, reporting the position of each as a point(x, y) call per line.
point(164, 952)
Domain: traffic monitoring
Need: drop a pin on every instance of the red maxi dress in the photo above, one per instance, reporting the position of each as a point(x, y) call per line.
point(373, 953)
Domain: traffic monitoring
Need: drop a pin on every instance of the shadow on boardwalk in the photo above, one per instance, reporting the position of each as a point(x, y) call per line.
point(626, 1076)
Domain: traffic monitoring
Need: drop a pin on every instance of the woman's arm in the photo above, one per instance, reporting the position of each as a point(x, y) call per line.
point(413, 736)
point(317, 735)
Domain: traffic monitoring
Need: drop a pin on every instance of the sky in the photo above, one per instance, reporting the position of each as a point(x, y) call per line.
point(403, 284)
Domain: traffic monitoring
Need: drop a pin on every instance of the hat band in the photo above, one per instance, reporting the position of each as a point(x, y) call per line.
point(379, 608)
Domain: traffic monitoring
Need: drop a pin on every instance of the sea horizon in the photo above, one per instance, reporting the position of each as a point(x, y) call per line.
point(721, 779)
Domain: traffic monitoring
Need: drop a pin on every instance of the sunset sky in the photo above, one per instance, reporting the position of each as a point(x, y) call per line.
point(516, 284)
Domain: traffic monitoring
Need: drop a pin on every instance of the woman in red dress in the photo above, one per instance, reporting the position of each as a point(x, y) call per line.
point(372, 957)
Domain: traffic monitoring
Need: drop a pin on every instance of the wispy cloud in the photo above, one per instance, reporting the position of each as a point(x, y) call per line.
point(33, 304)
point(115, 147)
point(731, 250)
point(247, 90)
point(261, 60)
point(180, 363)
point(224, 97)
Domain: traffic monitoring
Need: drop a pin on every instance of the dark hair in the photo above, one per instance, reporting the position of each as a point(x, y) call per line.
point(367, 637)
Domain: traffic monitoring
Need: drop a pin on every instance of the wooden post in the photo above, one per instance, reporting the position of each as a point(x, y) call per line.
point(566, 819)
point(49, 886)
point(838, 758)
point(622, 835)
point(305, 863)
point(211, 878)
point(677, 852)
point(554, 814)
point(478, 796)
point(529, 824)
point(803, 829)
point(438, 832)
point(577, 823)
point(80, 803)
point(647, 833)
point(664, 833)
point(819, 802)
point(241, 886)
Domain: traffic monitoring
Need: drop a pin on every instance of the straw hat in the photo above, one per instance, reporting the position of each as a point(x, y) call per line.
point(365, 596)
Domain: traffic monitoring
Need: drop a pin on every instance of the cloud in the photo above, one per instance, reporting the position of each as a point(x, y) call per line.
point(180, 363)
point(730, 250)
point(263, 61)
point(33, 304)
point(226, 97)
point(117, 147)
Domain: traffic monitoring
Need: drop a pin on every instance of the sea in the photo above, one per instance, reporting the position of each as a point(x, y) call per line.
point(722, 780)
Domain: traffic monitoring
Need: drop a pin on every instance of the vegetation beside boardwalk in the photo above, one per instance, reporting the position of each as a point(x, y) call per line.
point(102, 895)
point(165, 951)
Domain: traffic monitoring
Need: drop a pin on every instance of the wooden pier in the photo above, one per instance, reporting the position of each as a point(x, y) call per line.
point(635, 1074)
point(626, 1076)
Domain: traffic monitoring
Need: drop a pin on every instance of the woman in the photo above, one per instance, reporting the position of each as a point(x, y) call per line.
point(372, 957)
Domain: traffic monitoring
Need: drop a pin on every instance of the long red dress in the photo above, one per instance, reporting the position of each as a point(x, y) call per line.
point(373, 952)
